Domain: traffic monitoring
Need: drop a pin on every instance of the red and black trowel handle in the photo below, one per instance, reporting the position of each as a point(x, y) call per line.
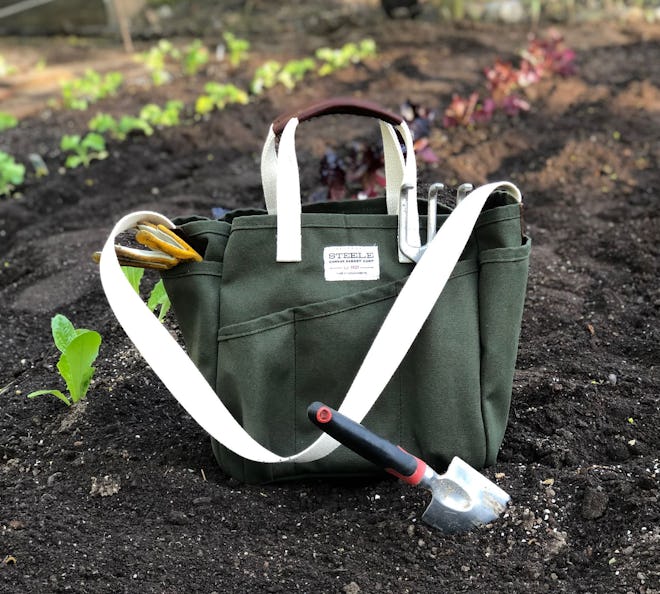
point(367, 444)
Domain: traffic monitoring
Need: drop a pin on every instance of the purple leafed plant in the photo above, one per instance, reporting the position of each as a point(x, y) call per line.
point(358, 170)
point(542, 58)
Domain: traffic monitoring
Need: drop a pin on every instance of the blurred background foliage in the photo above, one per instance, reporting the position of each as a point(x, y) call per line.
point(153, 17)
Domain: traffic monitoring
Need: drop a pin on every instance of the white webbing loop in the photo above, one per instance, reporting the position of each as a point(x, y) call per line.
point(281, 183)
point(402, 324)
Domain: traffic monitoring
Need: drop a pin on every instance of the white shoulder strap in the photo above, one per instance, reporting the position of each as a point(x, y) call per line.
point(402, 324)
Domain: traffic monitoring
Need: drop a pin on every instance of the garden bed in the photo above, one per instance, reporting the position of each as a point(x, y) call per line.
point(120, 493)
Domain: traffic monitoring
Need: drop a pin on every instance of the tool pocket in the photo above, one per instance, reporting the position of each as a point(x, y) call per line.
point(194, 290)
point(440, 377)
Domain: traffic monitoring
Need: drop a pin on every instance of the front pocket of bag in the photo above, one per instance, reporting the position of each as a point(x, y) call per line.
point(271, 368)
point(502, 284)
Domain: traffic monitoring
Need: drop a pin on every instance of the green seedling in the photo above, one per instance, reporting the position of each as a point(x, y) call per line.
point(162, 117)
point(159, 60)
point(294, 71)
point(86, 149)
point(79, 348)
point(237, 49)
point(12, 174)
point(265, 77)
point(351, 53)
point(119, 129)
point(218, 96)
point(195, 56)
point(79, 93)
point(7, 121)
point(155, 61)
point(128, 124)
point(158, 297)
point(102, 123)
point(134, 276)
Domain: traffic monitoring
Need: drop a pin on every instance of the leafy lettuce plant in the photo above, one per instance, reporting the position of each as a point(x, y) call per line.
point(119, 129)
point(294, 71)
point(265, 77)
point(542, 58)
point(86, 149)
point(79, 349)
point(158, 297)
point(350, 53)
point(237, 49)
point(195, 56)
point(79, 93)
point(12, 174)
point(162, 117)
point(218, 96)
point(155, 61)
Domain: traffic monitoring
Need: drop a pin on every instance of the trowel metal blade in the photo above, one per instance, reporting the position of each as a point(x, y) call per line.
point(462, 499)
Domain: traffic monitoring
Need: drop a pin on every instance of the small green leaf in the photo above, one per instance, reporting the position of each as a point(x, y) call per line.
point(102, 122)
point(56, 393)
point(63, 331)
point(204, 104)
point(70, 142)
point(159, 297)
point(73, 161)
point(75, 364)
point(134, 276)
point(94, 141)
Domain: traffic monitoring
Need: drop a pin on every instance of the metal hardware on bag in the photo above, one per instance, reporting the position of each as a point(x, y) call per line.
point(414, 251)
point(432, 213)
point(462, 191)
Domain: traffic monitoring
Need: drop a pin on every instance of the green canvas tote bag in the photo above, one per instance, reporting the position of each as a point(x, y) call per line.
point(401, 313)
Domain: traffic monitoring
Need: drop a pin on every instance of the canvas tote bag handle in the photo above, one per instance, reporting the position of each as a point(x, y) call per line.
point(402, 324)
point(281, 179)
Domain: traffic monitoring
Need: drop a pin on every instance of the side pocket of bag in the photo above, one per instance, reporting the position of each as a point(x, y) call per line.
point(502, 284)
point(440, 377)
point(194, 290)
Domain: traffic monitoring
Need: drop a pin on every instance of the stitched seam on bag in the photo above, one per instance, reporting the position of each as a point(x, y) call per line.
point(495, 221)
point(194, 273)
point(481, 382)
point(296, 317)
point(295, 384)
point(503, 260)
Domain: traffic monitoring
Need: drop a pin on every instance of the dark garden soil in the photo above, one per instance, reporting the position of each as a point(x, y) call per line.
point(121, 493)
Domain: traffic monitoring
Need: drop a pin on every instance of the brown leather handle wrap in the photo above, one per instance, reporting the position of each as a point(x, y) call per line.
point(338, 105)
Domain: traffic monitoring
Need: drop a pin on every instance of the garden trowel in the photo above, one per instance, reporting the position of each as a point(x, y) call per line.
point(462, 497)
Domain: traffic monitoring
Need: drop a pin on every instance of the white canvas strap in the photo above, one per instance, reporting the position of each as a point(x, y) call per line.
point(402, 324)
point(281, 183)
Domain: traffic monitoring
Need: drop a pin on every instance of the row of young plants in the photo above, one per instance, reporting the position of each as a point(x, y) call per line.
point(161, 61)
point(79, 347)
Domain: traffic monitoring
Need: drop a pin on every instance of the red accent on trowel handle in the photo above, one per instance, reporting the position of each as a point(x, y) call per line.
point(416, 477)
point(324, 415)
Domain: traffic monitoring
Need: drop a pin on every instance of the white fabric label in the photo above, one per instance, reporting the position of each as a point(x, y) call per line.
point(351, 262)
